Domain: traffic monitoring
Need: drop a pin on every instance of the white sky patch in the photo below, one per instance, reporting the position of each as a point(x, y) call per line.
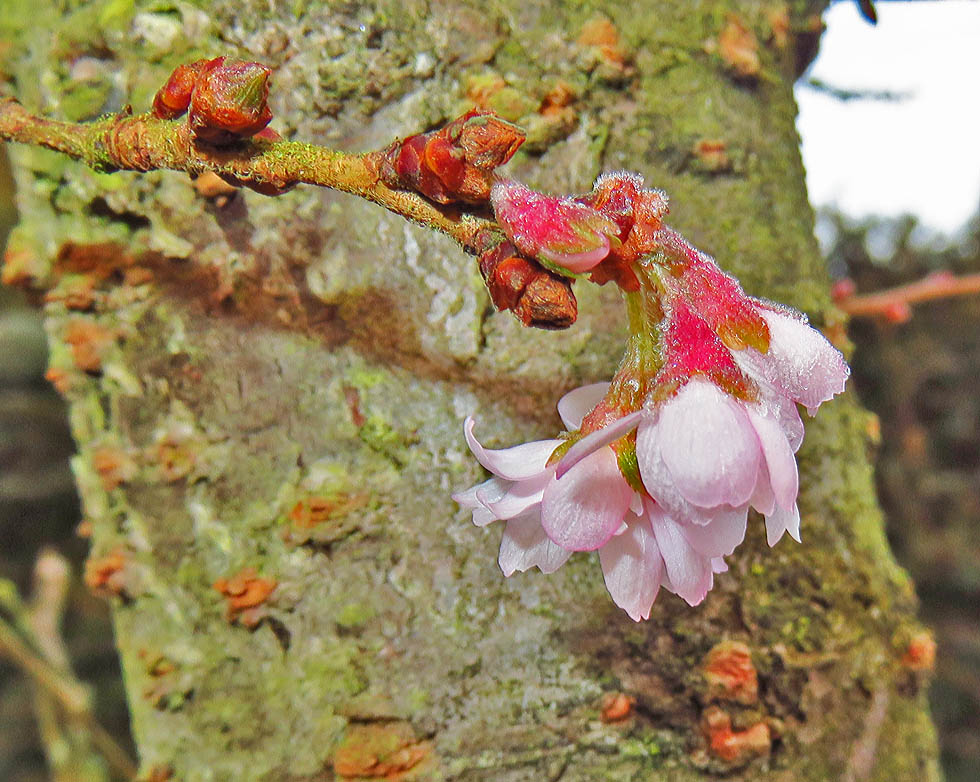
point(919, 155)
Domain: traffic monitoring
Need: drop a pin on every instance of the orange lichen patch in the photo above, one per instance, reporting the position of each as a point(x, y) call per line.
point(600, 33)
point(616, 707)
point(89, 343)
point(84, 529)
point(712, 154)
point(244, 592)
point(734, 746)
point(210, 185)
point(98, 259)
point(920, 655)
point(114, 466)
point(738, 48)
point(557, 100)
point(315, 510)
point(385, 751)
point(21, 267)
point(176, 455)
point(730, 674)
point(107, 574)
point(76, 292)
point(137, 275)
point(158, 773)
point(59, 378)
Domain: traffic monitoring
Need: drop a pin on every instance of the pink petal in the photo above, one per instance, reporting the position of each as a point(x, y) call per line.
point(718, 565)
point(721, 537)
point(660, 484)
point(561, 230)
point(762, 499)
point(774, 401)
point(632, 568)
point(779, 459)
point(576, 403)
point(783, 521)
point(577, 262)
point(600, 438)
point(470, 500)
point(517, 498)
point(584, 509)
point(708, 445)
point(524, 545)
point(515, 464)
point(689, 572)
point(801, 362)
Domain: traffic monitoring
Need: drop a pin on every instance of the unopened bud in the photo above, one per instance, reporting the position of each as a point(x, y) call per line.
point(174, 97)
point(230, 101)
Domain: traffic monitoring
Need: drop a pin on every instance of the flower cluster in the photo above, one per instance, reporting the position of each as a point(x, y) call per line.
point(660, 466)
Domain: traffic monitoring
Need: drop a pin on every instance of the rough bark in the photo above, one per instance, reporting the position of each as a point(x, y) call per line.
point(311, 345)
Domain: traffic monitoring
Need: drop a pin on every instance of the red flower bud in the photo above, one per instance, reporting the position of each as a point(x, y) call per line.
point(456, 162)
point(229, 101)
point(536, 296)
point(174, 97)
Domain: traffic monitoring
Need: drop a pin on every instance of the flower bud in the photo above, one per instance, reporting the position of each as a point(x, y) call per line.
point(456, 162)
point(536, 296)
point(174, 97)
point(229, 101)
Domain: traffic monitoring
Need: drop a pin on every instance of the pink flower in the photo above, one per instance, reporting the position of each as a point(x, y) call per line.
point(570, 235)
point(641, 547)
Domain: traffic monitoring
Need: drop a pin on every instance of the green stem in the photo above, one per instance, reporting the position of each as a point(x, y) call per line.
point(145, 143)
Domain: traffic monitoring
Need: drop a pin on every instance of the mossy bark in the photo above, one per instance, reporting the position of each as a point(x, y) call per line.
point(270, 351)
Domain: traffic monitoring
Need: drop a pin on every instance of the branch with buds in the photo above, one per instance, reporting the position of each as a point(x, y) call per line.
point(659, 466)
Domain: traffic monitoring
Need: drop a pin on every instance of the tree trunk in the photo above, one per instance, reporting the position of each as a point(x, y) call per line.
point(279, 384)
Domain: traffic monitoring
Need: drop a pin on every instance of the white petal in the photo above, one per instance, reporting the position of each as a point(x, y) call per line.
point(600, 438)
point(660, 484)
point(576, 403)
point(470, 499)
point(762, 499)
point(524, 545)
point(689, 572)
point(515, 464)
point(783, 521)
point(519, 496)
point(719, 538)
point(801, 362)
point(779, 460)
point(708, 445)
point(584, 509)
point(632, 568)
point(482, 517)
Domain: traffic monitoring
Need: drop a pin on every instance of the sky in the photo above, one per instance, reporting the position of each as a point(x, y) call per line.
point(919, 154)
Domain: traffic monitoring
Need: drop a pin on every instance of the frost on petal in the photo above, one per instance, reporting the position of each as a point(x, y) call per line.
point(689, 571)
point(515, 464)
point(561, 230)
point(585, 508)
point(801, 362)
point(709, 446)
point(721, 537)
point(779, 460)
point(600, 438)
point(783, 521)
point(632, 568)
point(524, 545)
point(517, 497)
point(576, 403)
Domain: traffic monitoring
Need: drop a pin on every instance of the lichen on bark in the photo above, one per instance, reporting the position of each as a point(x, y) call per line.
point(315, 349)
